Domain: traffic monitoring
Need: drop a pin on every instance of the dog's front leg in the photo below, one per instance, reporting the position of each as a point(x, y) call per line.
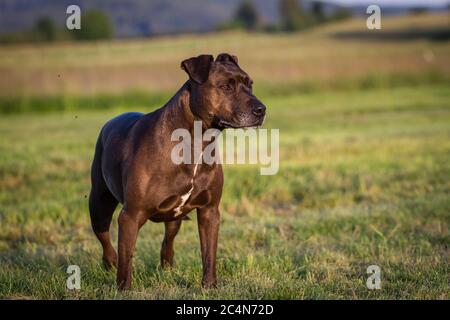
point(208, 227)
point(129, 225)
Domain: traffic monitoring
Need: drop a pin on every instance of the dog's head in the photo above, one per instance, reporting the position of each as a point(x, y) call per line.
point(221, 92)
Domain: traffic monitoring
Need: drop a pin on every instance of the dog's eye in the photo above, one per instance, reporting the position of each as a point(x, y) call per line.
point(226, 87)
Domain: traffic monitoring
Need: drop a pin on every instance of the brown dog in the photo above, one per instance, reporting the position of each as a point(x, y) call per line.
point(132, 164)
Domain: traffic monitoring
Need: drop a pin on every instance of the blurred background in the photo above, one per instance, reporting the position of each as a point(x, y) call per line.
point(364, 120)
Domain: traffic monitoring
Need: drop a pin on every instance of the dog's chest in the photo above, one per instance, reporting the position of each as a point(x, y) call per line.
point(186, 192)
point(178, 210)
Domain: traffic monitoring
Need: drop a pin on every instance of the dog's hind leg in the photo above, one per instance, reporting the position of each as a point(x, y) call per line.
point(101, 207)
point(172, 229)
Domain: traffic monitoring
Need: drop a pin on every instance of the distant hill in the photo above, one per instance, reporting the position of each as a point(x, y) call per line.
point(141, 18)
point(133, 18)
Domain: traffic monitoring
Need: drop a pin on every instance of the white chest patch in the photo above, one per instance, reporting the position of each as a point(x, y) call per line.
point(185, 197)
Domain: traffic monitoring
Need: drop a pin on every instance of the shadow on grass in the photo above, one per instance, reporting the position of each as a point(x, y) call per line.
point(52, 262)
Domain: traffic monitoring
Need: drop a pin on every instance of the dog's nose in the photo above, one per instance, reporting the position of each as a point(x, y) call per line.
point(259, 110)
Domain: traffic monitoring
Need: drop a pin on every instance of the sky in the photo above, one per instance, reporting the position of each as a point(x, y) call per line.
point(393, 2)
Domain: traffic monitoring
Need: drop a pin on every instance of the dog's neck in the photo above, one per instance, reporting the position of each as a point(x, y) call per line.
point(177, 113)
point(179, 110)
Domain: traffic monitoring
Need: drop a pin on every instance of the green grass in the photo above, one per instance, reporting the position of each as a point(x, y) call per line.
point(305, 60)
point(364, 179)
point(129, 99)
point(364, 166)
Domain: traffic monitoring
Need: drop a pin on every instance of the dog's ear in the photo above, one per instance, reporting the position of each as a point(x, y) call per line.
point(198, 67)
point(225, 57)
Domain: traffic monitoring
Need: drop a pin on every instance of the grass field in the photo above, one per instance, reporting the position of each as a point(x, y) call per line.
point(364, 177)
point(316, 58)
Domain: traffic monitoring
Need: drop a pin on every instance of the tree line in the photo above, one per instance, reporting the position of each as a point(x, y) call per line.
point(293, 16)
point(97, 25)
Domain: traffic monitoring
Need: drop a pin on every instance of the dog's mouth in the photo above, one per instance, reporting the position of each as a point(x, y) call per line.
point(224, 124)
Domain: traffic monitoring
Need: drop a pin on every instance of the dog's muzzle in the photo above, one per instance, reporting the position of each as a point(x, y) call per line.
point(222, 124)
point(254, 118)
